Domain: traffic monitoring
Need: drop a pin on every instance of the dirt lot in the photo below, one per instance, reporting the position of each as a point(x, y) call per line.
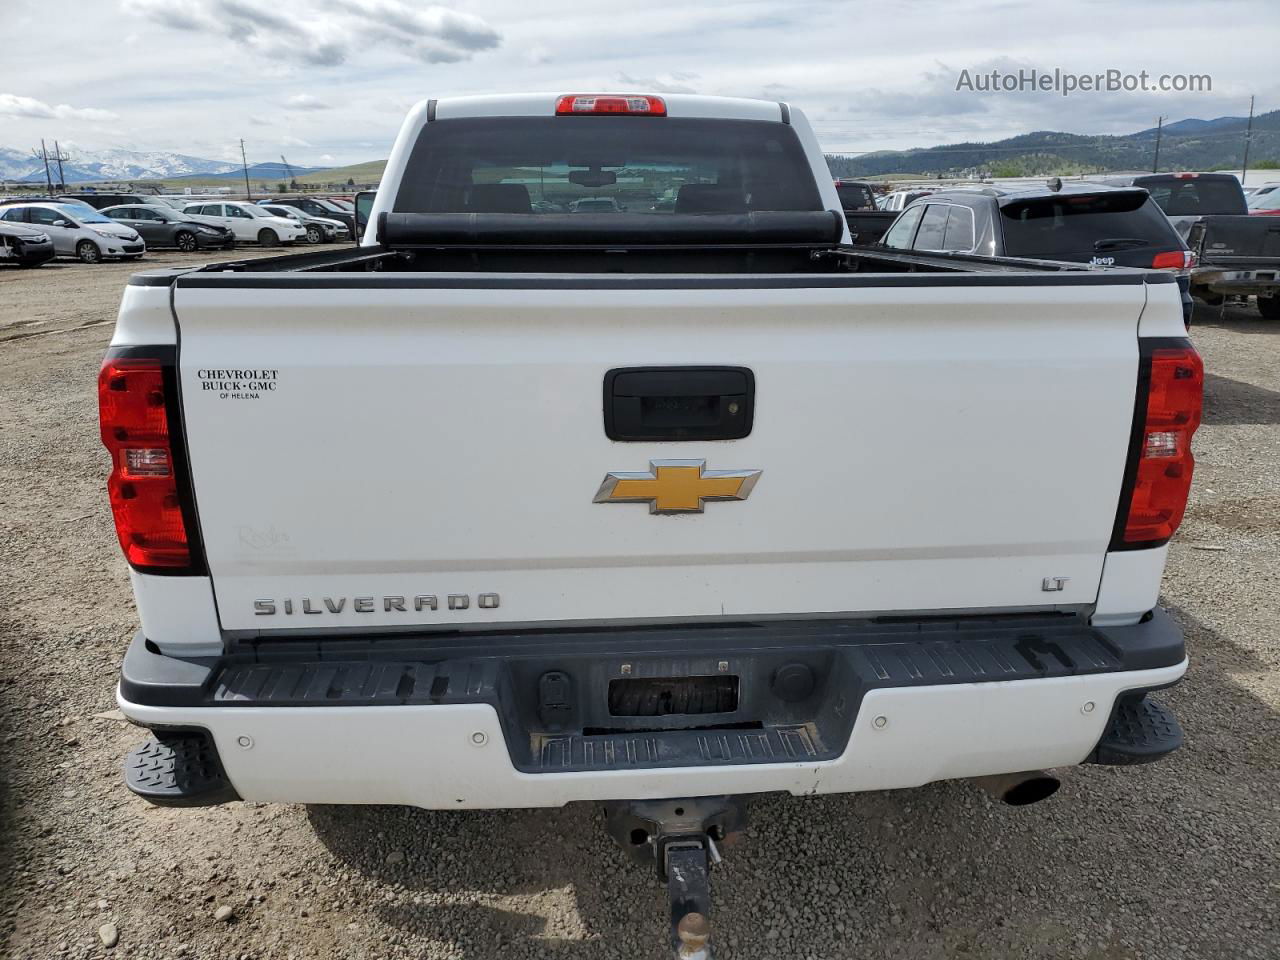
point(1176, 860)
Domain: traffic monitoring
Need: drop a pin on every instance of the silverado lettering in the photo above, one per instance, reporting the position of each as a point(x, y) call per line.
point(455, 601)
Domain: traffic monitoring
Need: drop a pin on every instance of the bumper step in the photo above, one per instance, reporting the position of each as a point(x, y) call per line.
point(178, 770)
point(1140, 731)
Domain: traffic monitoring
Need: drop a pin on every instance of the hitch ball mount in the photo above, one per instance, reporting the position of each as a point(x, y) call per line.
point(681, 839)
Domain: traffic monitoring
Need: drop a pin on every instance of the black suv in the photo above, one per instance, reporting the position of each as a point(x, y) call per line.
point(1079, 222)
point(1238, 254)
point(100, 201)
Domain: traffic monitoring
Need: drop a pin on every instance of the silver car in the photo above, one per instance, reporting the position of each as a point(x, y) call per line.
point(78, 231)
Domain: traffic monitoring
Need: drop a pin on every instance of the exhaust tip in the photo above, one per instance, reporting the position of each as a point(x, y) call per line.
point(1032, 790)
point(1020, 789)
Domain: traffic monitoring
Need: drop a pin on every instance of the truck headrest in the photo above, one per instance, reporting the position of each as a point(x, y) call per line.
point(498, 198)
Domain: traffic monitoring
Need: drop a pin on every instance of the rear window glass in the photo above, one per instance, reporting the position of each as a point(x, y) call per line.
point(1075, 227)
point(639, 165)
point(855, 196)
point(1195, 196)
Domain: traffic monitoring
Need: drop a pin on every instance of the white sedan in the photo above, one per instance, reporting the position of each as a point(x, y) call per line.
point(248, 221)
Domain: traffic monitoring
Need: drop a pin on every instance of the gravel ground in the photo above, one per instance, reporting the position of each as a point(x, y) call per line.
point(1175, 860)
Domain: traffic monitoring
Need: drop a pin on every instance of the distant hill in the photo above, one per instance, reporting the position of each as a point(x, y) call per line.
point(1190, 144)
point(360, 173)
point(257, 171)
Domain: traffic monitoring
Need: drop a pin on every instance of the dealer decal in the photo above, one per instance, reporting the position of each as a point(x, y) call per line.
point(234, 384)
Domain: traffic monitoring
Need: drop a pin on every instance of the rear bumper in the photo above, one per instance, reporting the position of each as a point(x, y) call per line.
point(893, 706)
point(1229, 280)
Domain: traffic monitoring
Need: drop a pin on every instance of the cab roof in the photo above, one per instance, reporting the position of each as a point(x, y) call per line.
point(544, 105)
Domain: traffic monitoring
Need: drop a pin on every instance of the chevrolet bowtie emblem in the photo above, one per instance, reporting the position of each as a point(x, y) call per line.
point(676, 486)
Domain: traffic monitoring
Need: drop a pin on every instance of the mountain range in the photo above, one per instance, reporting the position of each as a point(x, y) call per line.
point(1190, 144)
point(98, 165)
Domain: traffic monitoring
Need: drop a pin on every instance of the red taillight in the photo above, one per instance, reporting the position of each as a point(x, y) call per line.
point(1156, 498)
point(586, 104)
point(1174, 260)
point(143, 486)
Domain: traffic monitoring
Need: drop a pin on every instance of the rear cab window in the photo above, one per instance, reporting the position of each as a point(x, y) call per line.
point(855, 196)
point(607, 165)
point(1080, 227)
point(1197, 196)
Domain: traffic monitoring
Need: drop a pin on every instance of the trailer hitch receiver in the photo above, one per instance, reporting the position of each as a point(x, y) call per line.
point(681, 839)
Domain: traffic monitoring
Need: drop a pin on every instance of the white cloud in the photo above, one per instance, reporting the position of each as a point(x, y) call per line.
point(289, 141)
point(12, 105)
point(229, 66)
point(326, 158)
point(305, 101)
point(294, 31)
point(663, 83)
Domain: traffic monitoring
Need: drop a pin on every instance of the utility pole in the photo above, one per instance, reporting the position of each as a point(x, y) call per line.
point(44, 155)
point(57, 155)
point(1155, 165)
point(1248, 135)
point(245, 164)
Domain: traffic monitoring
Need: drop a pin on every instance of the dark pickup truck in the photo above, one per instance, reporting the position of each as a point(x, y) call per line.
point(1237, 255)
point(867, 223)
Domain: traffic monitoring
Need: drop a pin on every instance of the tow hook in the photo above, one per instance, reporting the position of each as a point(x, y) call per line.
point(681, 839)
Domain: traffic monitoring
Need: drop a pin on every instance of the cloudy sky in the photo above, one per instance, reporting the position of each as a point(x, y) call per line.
point(328, 81)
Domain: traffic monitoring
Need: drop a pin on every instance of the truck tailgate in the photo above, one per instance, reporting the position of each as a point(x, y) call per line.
point(1237, 239)
point(366, 453)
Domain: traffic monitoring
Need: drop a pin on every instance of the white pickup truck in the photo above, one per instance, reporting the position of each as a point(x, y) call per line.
point(662, 506)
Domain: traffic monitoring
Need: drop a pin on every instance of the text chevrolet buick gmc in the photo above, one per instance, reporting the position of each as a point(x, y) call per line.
point(514, 506)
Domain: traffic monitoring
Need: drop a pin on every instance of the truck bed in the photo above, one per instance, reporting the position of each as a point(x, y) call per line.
point(498, 246)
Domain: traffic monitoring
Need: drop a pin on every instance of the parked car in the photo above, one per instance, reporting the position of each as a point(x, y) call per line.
point(1089, 223)
point(899, 200)
point(247, 221)
point(1264, 199)
point(980, 468)
point(598, 205)
point(9, 201)
point(162, 226)
point(176, 202)
point(79, 231)
point(24, 245)
point(319, 229)
point(101, 200)
point(316, 207)
point(1237, 254)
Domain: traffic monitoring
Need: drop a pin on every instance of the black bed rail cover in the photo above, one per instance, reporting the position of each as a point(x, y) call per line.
point(816, 228)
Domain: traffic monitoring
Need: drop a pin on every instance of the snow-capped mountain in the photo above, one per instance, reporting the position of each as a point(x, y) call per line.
point(108, 165)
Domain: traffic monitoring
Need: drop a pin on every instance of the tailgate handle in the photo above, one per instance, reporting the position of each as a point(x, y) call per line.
point(678, 403)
